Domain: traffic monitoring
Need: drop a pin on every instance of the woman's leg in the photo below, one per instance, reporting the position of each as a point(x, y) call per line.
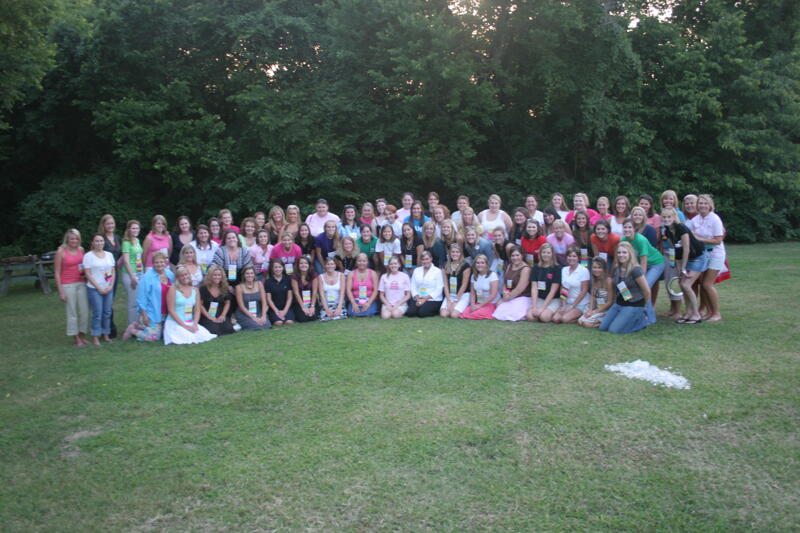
point(692, 312)
point(711, 295)
point(429, 309)
point(611, 315)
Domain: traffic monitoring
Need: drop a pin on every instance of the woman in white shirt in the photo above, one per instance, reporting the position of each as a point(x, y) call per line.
point(484, 290)
point(574, 289)
point(204, 247)
point(98, 267)
point(427, 288)
point(708, 228)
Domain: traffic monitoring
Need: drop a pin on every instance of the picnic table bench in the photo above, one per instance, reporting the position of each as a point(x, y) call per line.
point(31, 267)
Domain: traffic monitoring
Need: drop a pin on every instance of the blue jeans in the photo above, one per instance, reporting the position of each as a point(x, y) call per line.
point(372, 310)
point(654, 273)
point(101, 311)
point(625, 319)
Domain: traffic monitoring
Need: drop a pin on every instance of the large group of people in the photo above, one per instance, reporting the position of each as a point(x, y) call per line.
point(596, 267)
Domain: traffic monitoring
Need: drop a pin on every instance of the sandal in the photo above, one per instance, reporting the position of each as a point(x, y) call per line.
point(689, 321)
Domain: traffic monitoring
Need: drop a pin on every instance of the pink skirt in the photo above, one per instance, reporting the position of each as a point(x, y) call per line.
point(484, 313)
point(514, 310)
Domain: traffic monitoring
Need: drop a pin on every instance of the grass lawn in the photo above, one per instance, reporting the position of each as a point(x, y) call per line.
point(437, 425)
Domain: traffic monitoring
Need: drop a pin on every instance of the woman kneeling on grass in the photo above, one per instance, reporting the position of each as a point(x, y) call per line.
point(574, 289)
point(183, 307)
point(545, 286)
point(598, 295)
point(362, 289)
point(151, 300)
point(252, 301)
point(483, 292)
point(395, 291)
point(632, 293)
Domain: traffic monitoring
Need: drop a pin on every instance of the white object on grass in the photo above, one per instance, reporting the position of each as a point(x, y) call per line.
point(643, 370)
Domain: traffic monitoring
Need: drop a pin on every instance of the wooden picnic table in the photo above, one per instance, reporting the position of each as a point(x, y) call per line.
point(32, 268)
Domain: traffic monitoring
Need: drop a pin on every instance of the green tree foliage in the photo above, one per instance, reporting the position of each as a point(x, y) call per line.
point(186, 106)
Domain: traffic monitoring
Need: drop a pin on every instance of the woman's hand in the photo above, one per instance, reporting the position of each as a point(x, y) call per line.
point(61, 295)
point(134, 281)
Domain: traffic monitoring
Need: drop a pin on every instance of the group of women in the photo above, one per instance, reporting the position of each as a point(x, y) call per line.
point(596, 267)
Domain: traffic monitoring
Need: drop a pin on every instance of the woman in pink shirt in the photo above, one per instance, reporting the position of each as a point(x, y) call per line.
point(362, 289)
point(316, 222)
point(71, 285)
point(158, 240)
point(395, 290)
point(287, 251)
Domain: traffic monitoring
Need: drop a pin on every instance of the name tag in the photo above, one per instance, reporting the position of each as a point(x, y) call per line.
point(518, 242)
point(362, 294)
point(212, 309)
point(423, 291)
point(386, 257)
point(453, 284)
point(529, 259)
point(331, 255)
point(480, 296)
point(541, 285)
point(203, 268)
point(139, 266)
point(600, 301)
point(188, 314)
point(289, 268)
point(164, 251)
point(603, 255)
point(306, 298)
point(499, 266)
point(624, 291)
point(252, 307)
point(507, 288)
point(564, 293)
point(671, 255)
point(585, 257)
point(231, 272)
point(407, 261)
point(330, 297)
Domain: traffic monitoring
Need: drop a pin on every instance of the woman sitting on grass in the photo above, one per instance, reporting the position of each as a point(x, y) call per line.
point(631, 294)
point(183, 307)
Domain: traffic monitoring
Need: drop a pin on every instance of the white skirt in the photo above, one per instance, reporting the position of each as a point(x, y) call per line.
point(461, 304)
point(175, 334)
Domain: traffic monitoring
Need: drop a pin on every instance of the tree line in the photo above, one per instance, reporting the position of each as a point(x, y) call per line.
point(186, 106)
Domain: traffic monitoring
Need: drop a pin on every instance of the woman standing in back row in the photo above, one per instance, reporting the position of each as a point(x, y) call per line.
point(68, 272)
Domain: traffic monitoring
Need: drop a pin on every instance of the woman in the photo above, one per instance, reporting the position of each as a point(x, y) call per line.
point(456, 283)
point(599, 302)
point(132, 265)
point(216, 303)
point(448, 233)
point(367, 244)
point(574, 290)
point(483, 292)
point(151, 301)
point(288, 252)
point(518, 220)
point(305, 241)
point(560, 240)
point(709, 230)
point(439, 216)
point(367, 217)
point(470, 220)
point(316, 221)
point(232, 257)
point(112, 243)
point(604, 243)
point(204, 247)
point(532, 205)
point(276, 223)
point(261, 220)
point(631, 294)
point(669, 198)
point(394, 290)
point(411, 247)
point(686, 259)
point(349, 226)
point(433, 245)
point(514, 303)
point(433, 201)
point(690, 206)
point(362, 289)
point(462, 203)
point(550, 217)
point(582, 233)
point(251, 309)
point(494, 218)
point(188, 260)
point(580, 202)
point(158, 240)
point(304, 291)
point(380, 215)
point(499, 247)
point(346, 255)
point(604, 209)
point(331, 293)
point(622, 210)
point(278, 289)
point(475, 245)
point(417, 218)
point(545, 287)
point(325, 244)
point(215, 229)
point(426, 288)
point(388, 246)
point(532, 241)
point(639, 217)
point(68, 272)
point(226, 221)
point(181, 235)
point(653, 218)
point(406, 201)
point(261, 251)
point(293, 220)
point(183, 305)
point(100, 272)
point(248, 235)
point(559, 205)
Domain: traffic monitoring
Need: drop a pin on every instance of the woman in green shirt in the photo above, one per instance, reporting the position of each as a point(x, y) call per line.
point(132, 265)
point(366, 244)
point(649, 258)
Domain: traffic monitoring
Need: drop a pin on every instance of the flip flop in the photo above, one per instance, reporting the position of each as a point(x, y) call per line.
point(689, 321)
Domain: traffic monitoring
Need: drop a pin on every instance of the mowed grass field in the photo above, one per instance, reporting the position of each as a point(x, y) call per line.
point(410, 425)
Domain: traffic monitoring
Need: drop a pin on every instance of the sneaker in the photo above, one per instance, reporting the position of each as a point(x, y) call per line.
point(237, 327)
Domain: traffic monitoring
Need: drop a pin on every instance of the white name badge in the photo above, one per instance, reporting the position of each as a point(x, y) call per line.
point(500, 266)
point(212, 308)
point(407, 261)
point(518, 242)
point(138, 261)
point(362, 294)
point(529, 259)
point(306, 298)
point(423, 291)
point(600, 301)
point(331, 255)
point(509, 283)
point(289, 268)
point(188, 314)
point(331, 298)
point(541, 285)
point(386, 257)
point(603, 255)
point(164, 251)
point(624, 291)
point(453, 285)
point(231, 272)
point(252, 307)
point(481, 296)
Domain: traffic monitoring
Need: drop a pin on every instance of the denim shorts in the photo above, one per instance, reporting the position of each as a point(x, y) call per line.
point(698, 264)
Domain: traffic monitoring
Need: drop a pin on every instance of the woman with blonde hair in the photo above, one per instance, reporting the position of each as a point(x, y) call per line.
point(293, 219)
point(456, 283)
point(494, 218)
point(276, 223)
point(158, 240)
point(630, 292)
point(708, 229)
point(188, 260)
point(71, 286)
point(469, 220)
point(669, 198)
point(183, 312)
point(545, 286)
